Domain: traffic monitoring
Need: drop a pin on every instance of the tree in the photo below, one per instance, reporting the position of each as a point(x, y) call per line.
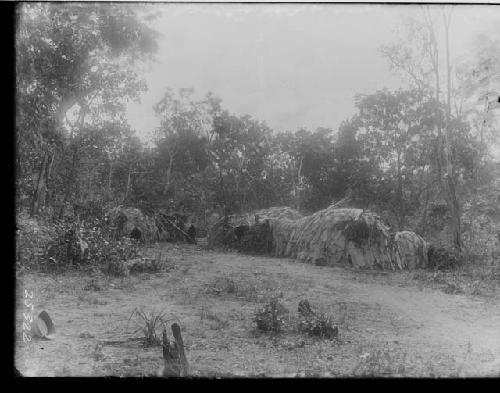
point(72, 60)
point(418, 56)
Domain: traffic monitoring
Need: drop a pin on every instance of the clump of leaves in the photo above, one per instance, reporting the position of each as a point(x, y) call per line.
point(315, 323)
point(271, 318)
point(150, 324)
point(58, 244)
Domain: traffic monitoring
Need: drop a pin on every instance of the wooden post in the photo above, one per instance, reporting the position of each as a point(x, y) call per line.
point(174, 356)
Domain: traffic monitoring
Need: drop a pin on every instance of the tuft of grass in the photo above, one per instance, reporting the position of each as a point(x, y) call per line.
point(151, 324)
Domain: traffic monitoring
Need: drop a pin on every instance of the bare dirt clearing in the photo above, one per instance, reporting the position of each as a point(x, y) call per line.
point(389, 326)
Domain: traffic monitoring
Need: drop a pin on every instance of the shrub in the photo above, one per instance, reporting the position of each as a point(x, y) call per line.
point(32, 239)
point(316, 324)
point(271, 317)
point(48, 245)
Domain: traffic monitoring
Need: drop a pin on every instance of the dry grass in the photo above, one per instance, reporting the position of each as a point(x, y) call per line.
point(216, 322)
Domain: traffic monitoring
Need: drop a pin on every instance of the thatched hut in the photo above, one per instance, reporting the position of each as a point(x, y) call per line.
point(229, 231)
point(411, 250)
point(336, 236)
point(131, 222)
point(328, 237)
point(172, 226)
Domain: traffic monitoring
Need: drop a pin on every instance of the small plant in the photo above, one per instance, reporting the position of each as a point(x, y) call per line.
point(316, 324)
point(149, 323)
point(271, 317)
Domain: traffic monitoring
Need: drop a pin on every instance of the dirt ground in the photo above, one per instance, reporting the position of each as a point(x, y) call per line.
point(389, 324)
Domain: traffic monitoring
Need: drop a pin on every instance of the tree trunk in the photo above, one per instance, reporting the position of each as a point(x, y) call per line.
point(400, 194)
point(444, 160)
point(450, 178)
point(169, 173)
point(128, 182)
point(69, 182)
point(39, 192)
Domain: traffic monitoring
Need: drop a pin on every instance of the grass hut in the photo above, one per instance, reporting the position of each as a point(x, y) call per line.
point(129, 221)
point(351, 237)
point(230, 231)
point(336, 236)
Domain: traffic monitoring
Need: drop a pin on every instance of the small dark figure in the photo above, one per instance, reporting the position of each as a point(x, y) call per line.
point(192, 234)
point(136, 234)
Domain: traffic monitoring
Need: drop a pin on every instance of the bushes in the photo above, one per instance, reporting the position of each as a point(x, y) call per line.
point(314, 323)
point(271, 317)
point(32, 239)
point(49, 245)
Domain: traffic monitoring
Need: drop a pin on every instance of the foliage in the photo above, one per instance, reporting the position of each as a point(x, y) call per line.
point(315, 323)
point(271, 317)
point(74, 74)
point(61, 244)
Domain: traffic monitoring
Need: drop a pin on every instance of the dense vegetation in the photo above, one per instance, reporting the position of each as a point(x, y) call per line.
point(419, 156)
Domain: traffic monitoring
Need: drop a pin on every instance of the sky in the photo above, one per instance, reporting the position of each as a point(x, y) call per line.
point(290, 65)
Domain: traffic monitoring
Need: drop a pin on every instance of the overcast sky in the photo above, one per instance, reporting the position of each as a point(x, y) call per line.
point(291, 65)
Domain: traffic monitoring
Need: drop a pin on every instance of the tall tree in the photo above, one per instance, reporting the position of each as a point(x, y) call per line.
point(418, 56)
point(73, 59)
